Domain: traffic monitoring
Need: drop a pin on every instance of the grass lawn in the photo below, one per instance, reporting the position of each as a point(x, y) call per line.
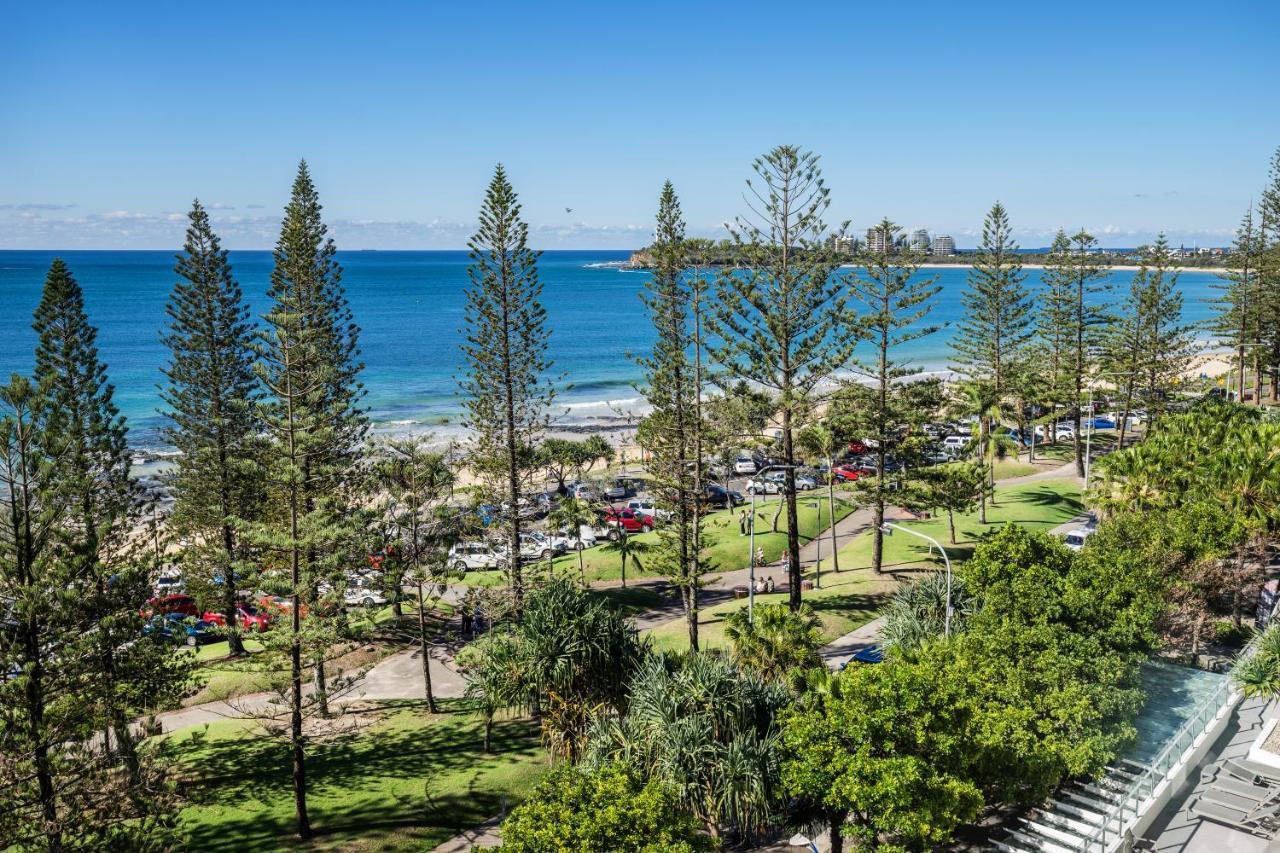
point(727, 551)
point(846, 601)
point(1038, 505)
point(408, 782)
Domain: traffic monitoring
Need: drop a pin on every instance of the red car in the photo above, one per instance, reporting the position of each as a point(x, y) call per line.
point(856, 446)
point(845, 473)
point(625, 520)
point(248, 617)
point(176, 603)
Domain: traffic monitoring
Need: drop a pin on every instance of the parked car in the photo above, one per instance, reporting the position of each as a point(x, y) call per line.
point(870, 655)
point(1076, 537)
point(744, 465)
point(620, 521)
point(536, 546)
point(955, 444)
point(1061, 431)
point(177, 628)
point(644, 506)
point(1101, 422)
point(765, 485)
point(248, 618)
point(363, 592)
point(585, 538)
point(718, 497)
point(479, 556)
point(857, 448)
point(581, 491)
point(169, 582)
point(846, 473)
point(182, 604)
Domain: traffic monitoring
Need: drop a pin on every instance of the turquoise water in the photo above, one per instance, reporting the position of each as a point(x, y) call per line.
point(1173, 695)
point(410, 307)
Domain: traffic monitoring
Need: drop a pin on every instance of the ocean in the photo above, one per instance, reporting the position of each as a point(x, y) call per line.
point(409, 306)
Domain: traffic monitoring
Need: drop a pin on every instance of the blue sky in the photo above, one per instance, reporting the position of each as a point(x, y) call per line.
point(1126, 118)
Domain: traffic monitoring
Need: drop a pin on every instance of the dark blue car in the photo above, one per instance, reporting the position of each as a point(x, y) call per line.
point(176, 628)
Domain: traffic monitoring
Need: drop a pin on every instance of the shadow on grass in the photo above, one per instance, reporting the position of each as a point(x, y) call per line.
point(424, 779)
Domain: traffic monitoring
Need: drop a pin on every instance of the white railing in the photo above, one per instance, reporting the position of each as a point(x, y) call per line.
point(1130, 806)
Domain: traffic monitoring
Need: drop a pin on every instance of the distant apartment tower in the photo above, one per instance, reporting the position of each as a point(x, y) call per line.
point(842, 243)
point(919, 241)
point(944, 245)
point(879, 240)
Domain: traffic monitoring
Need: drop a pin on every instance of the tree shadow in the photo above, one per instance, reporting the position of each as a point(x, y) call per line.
point(428, 777)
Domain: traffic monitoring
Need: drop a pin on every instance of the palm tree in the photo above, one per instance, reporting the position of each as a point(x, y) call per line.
point(981, 399)
point(627, 547)
point(494, 669)
point(705, 728)
point(775, 641)
point(571, 516)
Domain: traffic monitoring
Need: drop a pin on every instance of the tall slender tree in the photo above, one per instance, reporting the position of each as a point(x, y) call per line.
point(506, 391)
point(992, 337)
point(212, 397)
point(1071, 321)
point(997, 306)
point(782, 321)
point(1238, 308)
point(87, 433)
point(671, 391)
point(1269, 278)
point(894, 302)
point(308, 365)
point(1168, 342)
point(1052, 342)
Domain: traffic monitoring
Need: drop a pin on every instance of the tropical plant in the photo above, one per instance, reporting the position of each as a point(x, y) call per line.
point(705, 729)
point(571, 515)
point(570, 656)
point(607, 809)
point(774, 640)
point(917, 612)
point(627, 547)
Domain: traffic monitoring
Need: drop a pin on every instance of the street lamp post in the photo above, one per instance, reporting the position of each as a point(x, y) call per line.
point(751, 559)
point(887, 529)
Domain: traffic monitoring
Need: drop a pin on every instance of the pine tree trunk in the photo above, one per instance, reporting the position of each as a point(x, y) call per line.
point(951, 524)
point(426, 652)
point(322, 689)
point(793, 519)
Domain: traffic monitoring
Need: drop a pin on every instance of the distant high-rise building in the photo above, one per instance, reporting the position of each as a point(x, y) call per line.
point(919, 241)
point(842, 243)
point(944, 245)
point(879, 240)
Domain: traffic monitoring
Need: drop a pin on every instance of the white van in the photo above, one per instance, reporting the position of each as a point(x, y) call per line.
point(1076, 537)
point(954, 444)
point(475, 555)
